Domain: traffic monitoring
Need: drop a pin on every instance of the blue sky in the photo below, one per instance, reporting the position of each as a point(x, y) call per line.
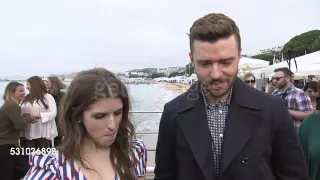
point(40, 37)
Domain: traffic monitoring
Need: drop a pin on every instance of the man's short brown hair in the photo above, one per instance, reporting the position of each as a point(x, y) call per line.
point(213, 27)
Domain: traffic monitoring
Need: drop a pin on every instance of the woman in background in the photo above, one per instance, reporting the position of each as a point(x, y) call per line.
point(12, 121)
point(311, 88)
point(98, 135)
point(249, 79)
point(309, 132)
point(55, 87)
point(43, 105)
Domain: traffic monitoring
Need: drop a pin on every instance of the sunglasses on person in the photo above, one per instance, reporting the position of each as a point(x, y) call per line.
point(250, 81)
point(277, 78)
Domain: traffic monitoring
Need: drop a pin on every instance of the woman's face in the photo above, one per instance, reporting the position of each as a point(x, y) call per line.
point(49, 84)
point(19, 93)
point(28, 86)
point(312, 93)
point(102, 121)
point(250, 81)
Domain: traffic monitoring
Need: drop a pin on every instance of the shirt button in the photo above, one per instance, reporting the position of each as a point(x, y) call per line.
point(245, 160)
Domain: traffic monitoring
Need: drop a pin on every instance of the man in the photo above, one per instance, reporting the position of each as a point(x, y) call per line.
point(298, 102)
point(222, 129)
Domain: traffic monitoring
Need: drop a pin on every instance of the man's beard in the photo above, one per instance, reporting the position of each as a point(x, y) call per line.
point(282, 86)
point(217, 93)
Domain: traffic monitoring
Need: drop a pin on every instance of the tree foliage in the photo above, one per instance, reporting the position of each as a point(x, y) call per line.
point(174, 74)
point(307, 42)
point(189, 69)
point(315, 46)
point(156, 75)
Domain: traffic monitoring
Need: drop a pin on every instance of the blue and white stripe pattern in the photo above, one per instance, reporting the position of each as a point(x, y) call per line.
point(59, 167)
point(140, 158)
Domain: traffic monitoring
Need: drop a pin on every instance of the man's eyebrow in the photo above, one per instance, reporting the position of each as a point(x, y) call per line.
point(204, 60)
point(228, 59)
point(224, 59)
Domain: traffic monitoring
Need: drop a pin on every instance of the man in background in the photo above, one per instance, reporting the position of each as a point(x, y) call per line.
point(298, 102)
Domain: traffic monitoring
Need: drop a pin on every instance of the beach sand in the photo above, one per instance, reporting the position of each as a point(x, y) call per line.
point(175, 86)
point(150, 139)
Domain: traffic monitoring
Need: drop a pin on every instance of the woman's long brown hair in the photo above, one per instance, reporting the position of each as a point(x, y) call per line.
point(57, 85)
point(37, 91)
point(85, 89)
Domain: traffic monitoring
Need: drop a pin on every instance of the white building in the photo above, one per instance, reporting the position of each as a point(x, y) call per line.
point(268, 50)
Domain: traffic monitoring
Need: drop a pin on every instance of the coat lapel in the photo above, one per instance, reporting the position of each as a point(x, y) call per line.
point(193, 122)
point(242, 121)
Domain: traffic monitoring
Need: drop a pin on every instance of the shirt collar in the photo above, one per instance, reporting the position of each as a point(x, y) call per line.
point(288, 90)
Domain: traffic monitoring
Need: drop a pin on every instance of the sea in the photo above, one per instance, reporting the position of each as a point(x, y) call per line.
point(146, 101)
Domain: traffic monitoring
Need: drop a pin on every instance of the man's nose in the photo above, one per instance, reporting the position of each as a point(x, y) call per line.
point(215, 71)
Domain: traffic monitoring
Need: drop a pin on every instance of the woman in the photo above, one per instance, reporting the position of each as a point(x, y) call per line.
point(97, 134)
point(11, 122)
point(249, 79)
point(311, 88)
point(309, 132)
point(43, 105)
point(55, 87)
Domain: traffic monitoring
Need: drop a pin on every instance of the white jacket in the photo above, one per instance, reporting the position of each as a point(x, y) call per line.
point(46, 127)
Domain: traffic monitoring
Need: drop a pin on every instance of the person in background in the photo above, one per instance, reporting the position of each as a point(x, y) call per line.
point(311, 88)
point(11, 122)
point(298, 102)
point(99, 140)
point(43, 105)
point(249, 79)
point(55, 87)
point(309, 132)
point(270, 88)
point(222, 129)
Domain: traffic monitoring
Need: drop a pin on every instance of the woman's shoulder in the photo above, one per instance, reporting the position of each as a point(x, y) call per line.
point(140, 157)
point(48, 95)
point(137, 144)
point(10, 104)
point(312, 121)
point(10, 107)
point(312, 117)
point(54, 158)
point(45, 160)
point(49, 166)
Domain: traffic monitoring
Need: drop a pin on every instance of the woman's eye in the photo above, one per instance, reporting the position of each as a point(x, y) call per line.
point(118, 112)
point(99, 116)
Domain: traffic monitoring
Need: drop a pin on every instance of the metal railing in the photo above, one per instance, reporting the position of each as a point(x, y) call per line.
point(150, 169)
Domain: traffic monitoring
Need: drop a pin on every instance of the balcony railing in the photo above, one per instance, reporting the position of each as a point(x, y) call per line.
point(150, 169)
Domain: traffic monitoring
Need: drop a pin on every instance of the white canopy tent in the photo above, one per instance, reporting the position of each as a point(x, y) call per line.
point(307, 65)
point(259, 73)
point(249, 64)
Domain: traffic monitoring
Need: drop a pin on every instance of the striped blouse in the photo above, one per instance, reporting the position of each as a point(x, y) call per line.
point(58, 167)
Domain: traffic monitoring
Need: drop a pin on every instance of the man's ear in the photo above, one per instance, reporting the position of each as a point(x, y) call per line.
point(191, 58)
